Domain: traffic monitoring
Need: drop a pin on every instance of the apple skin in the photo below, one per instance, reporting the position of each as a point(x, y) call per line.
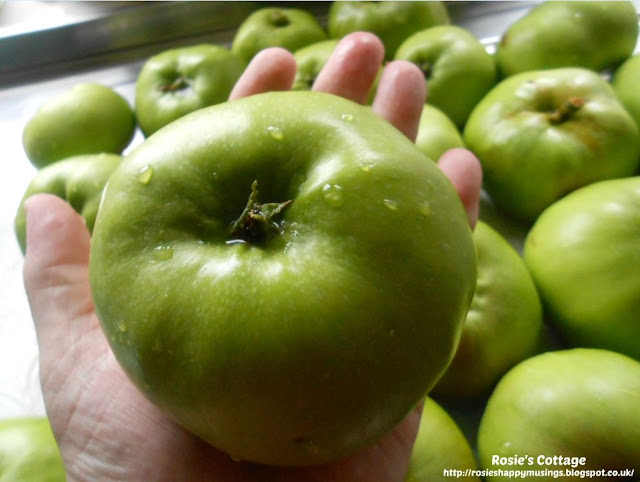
point(178, 81)
point(542, 134)
point(437, 133)
point(503, 326)
point(79, 180)
point(590, 34)
point(392, 22)
point(439, 445)
point(316, 341)
point(583, 256)
point(580, 402)
point(625, 83)
point(289, 28)
point(89, 118)
point(458, 69)
point(28, 451)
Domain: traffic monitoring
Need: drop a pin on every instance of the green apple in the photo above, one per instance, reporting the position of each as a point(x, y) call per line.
point(583, 256)
point(310, 60)
point(590, 34)
point(504, 323)
point(437, 133)
point(289, 28)
point(301, 324)
point(569, 409)
point(513, 230)
point(625, 83)
point(440, 446)
point(457, 68)
point(89, 118)
point(180, 80)
point(542, 134)
point(392, 22)
point(79, 180)
point(28, 451)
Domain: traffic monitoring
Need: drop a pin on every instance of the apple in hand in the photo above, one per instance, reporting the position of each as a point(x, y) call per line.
point(289, 28)
point(590, 34)
point(79, 180)
point(569, 405)
point(504, 323)
point(89, 118)
point(456, 66)
point(392, 22)
point(583, 253)
point(439, 445)
point(285, 274)
point(437, 133)
point(177, 81)
point(28, 451)
point(542, 134)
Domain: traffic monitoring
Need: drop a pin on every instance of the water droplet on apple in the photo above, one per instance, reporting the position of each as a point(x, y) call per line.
point(333, 194)
point(392, 333)
point(390, 204)
point(145, 175)
point(347, 117)
point(425, 208)
point(162, 253)
point(366, 166)
point(276, 133)
point(121, 326)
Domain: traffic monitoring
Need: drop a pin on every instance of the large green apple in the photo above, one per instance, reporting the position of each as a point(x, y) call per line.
point(625, 83)
point(570, 409)
point(457, 68)
point(392, 22)
point(89, 118)
point(79, 180)
point(590, 34)
point(441, 451)
point(584, 256)
point(289, 28)
point(286, 274)
point(437, 133)
point(504, 323)
point(28, 451)
point(177, 81)
point(540, 135)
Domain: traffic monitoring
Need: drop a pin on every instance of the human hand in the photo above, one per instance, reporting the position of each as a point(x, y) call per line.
point(105, 428)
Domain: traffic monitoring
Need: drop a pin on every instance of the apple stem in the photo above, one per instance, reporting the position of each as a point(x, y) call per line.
point(256, 223)
point(566, 110)
point(178, 84)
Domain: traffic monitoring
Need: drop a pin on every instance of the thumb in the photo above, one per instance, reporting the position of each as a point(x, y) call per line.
point(56, 271)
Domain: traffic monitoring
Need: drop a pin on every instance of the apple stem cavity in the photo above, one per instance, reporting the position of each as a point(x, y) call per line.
point(256, 224)
point(566, 110)
point(279, 18)
point(178, 84)
point(427, 69)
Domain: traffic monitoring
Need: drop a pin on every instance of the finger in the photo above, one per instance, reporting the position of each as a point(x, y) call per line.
point(352, 67)
point(464, 171)
point(400, 96)
point(56, 275)
point(272, 69)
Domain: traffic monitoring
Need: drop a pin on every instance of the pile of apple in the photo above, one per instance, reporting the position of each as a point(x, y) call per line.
point(288, 276)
